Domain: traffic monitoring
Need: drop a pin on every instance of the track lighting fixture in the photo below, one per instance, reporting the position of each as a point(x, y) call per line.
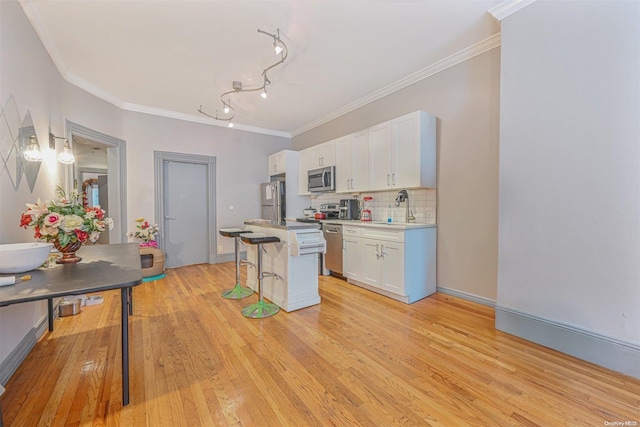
point(281, 49)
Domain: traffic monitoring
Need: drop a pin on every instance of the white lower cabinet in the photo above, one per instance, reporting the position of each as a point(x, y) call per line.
point(400, 264)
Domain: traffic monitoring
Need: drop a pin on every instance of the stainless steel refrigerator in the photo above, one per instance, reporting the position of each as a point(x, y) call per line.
point(273, 201)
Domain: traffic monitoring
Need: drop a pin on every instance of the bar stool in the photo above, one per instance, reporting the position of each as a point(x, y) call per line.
point(238, 292)
point(261, 309)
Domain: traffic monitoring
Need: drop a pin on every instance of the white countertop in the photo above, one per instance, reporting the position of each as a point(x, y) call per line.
point(378, 224)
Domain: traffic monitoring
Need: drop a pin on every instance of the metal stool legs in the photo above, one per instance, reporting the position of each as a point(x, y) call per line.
point(261, 309)
point(238, 291)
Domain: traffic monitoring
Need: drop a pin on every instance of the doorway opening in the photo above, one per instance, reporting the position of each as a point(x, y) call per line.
point(103, 158)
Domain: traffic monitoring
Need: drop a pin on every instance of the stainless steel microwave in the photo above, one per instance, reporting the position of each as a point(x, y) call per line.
point(322, 180)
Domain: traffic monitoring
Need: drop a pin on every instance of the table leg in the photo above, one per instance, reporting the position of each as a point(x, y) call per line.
point(125, 345)
point(50, 312)
point(130, 301)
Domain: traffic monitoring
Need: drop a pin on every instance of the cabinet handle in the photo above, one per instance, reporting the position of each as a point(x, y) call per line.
point(388, 180)
point(382, 252)
point(393, 178)
point(377, 250)
point(352, 183)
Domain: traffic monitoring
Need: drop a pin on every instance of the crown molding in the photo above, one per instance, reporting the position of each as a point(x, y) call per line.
point(201, 119)
point(467, 53)
point(508, 8)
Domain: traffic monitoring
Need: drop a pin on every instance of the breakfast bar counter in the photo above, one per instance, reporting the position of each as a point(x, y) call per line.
point(294, 260)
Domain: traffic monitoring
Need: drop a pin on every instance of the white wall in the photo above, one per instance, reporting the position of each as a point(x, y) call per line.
point(569, 232)
point(27, 73)
point(465, 99)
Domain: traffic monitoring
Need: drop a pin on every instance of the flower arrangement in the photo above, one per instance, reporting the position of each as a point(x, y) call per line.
point(146, 233)
point(65, 220)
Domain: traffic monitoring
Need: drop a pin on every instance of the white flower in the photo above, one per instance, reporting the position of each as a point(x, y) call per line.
point(71, 222)
point(37, 209)
point(109, 222)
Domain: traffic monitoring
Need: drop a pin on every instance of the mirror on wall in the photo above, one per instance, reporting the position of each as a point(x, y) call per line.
point(31, 169)
point(10, 124)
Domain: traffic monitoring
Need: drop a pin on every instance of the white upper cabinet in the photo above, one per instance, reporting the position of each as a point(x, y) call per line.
point(277, 163)
point(352, 173)
point(402, 152)
point(381, 170)
point(318, 156)
point(323, 155)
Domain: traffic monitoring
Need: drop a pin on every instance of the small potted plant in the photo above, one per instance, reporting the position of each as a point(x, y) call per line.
point(151, 258)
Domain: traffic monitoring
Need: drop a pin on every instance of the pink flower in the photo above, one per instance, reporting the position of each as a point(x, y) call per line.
point(52, 219)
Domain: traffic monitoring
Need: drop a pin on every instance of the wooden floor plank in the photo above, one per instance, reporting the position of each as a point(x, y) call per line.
point(357, 358)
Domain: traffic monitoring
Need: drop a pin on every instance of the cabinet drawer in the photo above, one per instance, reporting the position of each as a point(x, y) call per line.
point(388, 235)
point(351, 231)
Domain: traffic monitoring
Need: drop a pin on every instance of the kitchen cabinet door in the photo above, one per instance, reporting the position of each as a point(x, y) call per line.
point(407, 151)
point(392, 279)
point(359, 165)
point(380, 159)
point(343, 165)
point(352, 173)
point(276, 163)
point(352, 266)
point(371, 258)
point(304, 164)
point(323, 155)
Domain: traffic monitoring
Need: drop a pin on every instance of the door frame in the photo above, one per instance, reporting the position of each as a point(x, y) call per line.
point(159, 157)
point(117, 171)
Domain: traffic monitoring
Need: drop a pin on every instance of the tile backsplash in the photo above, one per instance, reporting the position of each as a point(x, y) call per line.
point(422, 202)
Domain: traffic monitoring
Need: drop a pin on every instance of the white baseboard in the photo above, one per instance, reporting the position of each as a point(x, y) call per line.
point(9, 365)
point(464, 295)
point(229, 257)
point(618, 355)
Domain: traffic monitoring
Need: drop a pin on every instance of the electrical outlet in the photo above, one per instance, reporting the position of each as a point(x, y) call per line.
point(220, 248)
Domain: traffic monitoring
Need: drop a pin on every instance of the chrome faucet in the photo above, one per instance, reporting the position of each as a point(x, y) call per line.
point(403, 196)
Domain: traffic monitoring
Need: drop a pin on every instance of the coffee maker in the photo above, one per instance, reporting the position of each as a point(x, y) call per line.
point(349, 209)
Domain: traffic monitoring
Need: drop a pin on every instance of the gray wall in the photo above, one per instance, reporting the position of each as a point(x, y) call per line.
point(570, 177)
point(465, 99)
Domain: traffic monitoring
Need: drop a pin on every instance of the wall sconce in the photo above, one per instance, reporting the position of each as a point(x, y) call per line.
point(32, 152)
point(66, 156)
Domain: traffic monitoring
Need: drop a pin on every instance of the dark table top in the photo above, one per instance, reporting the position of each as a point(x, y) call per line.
point(103, 267)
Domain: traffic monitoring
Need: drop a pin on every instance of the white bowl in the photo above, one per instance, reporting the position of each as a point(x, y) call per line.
point(21, 257)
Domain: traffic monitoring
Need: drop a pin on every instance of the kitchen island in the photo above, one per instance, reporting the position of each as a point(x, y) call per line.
point(294, 260)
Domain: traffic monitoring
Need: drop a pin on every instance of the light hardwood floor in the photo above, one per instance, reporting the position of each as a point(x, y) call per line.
point(355, 359)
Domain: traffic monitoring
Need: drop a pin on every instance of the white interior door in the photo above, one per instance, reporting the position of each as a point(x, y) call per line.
point(186, 224)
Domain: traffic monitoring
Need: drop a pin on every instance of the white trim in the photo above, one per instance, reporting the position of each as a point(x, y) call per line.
point(11, 363)
point(467, 296)
point(200, 119)
point(467, 53)
point(508, 8)
point(612, 353)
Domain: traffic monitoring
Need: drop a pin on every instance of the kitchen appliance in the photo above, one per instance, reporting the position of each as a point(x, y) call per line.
point(320, 215)
point(349, 209)
point(273, 201)
point(366, 210)
point(331, 210)
point(322, 180)
point(333, 256)
point(309, 212)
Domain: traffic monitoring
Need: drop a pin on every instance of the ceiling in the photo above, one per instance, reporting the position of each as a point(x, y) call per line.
point(170, 57)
